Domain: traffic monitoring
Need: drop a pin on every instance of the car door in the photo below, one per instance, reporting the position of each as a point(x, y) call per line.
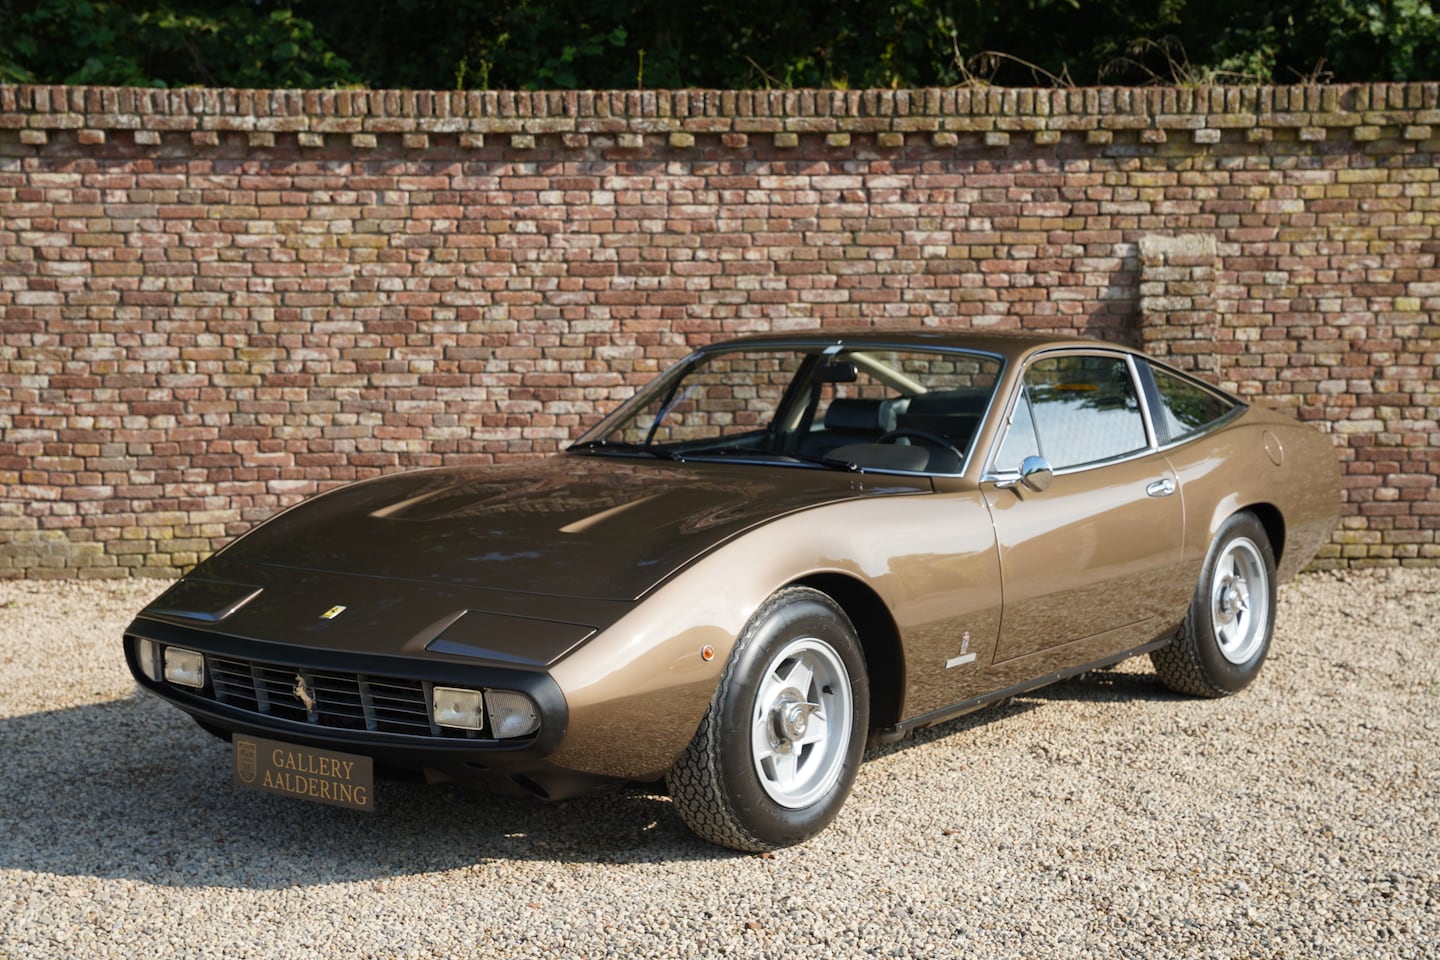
point(1082, 558)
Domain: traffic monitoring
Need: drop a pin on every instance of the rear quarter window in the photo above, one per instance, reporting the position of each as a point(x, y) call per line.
point(1187, 407)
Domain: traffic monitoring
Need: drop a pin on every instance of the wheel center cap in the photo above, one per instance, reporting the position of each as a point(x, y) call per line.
point(790, 718)
point(1234, 598)
point(797, 718)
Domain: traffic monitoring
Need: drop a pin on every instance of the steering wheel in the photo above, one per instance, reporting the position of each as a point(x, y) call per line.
point(934, 439)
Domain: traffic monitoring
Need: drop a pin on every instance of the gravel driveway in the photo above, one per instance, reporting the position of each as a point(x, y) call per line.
point(1101, 817)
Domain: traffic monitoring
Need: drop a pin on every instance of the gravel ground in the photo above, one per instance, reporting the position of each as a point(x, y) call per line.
point(1102, 817)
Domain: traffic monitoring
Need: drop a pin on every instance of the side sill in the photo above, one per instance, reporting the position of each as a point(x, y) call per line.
point(905, 727)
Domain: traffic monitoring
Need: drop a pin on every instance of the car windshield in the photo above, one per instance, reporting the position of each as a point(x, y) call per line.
point(864, 407)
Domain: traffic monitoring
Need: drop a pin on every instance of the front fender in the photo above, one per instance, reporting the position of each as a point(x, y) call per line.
point(637, 691)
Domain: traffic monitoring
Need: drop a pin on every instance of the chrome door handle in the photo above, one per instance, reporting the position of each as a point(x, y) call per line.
point(1161, 488)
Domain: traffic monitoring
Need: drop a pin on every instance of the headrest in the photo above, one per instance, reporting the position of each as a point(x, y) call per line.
point(873, 416)
point(949, 402)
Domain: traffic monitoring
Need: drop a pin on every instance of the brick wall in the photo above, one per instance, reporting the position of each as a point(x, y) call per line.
point(215, 302)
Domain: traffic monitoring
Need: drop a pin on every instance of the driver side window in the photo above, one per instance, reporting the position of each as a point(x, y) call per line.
point(1074, 411)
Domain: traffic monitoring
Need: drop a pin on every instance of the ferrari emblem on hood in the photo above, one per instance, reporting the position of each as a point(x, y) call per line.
point(333, 612)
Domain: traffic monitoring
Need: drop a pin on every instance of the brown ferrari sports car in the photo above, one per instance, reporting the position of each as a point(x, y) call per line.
point(783, 547)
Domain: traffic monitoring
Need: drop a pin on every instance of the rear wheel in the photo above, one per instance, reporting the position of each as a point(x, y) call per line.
point(779, 746)
point(1226, 635)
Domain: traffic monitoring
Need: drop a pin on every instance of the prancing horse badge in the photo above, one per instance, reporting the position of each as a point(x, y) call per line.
point(303, 694)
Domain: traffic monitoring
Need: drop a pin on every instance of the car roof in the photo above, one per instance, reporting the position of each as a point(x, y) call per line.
point(1001, 343)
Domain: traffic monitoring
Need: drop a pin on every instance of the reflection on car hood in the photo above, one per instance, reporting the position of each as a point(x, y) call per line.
point(569, 525)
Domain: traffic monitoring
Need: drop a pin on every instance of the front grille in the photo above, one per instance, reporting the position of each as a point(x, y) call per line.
point(343, 701)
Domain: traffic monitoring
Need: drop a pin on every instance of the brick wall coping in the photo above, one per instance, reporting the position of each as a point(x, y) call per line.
point(1310, 111)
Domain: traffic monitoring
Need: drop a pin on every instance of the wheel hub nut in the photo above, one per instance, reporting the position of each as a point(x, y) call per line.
point(1233, 599)
point(797, 718)
point(789, 719)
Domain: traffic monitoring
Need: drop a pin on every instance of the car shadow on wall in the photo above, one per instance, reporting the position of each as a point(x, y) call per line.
point(131, 789)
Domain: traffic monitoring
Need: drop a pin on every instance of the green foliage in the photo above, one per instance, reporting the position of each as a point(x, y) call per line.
point(213, 42)
point(562, 71)
point(561, 44)
point(1283, 41)
point(1381, 38)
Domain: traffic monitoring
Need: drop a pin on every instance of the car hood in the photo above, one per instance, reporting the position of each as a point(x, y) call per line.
point(568, 526)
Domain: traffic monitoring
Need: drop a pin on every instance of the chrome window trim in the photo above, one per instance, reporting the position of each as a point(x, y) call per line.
point(1152, 439)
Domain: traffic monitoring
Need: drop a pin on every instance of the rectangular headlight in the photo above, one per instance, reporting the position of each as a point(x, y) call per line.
point(184, 667)
point(458, 708)
point(512, 714)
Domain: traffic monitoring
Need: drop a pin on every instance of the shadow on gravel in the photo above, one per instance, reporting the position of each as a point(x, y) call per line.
point(130, 789)
point(1108, 686)
point(997, 713)
point(1097, 686)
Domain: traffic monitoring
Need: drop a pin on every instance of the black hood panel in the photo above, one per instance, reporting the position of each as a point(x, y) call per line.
point(567, 526)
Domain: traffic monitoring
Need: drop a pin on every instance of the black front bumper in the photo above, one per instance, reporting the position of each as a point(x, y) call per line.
point(401, 740)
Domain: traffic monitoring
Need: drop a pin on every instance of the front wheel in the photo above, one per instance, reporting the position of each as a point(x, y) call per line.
point(1226, 635)
point(781, 742)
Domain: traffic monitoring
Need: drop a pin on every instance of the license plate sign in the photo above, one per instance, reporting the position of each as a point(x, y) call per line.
point(325, 776)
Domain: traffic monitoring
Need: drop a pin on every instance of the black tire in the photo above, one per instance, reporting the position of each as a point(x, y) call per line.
point(790, 786)
point(1223, 642)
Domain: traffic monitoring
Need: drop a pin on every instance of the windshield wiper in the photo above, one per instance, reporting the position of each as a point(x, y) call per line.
point(832, 463)
point(623, 446)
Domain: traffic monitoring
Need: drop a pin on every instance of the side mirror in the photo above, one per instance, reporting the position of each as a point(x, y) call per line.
point(1036, 474)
